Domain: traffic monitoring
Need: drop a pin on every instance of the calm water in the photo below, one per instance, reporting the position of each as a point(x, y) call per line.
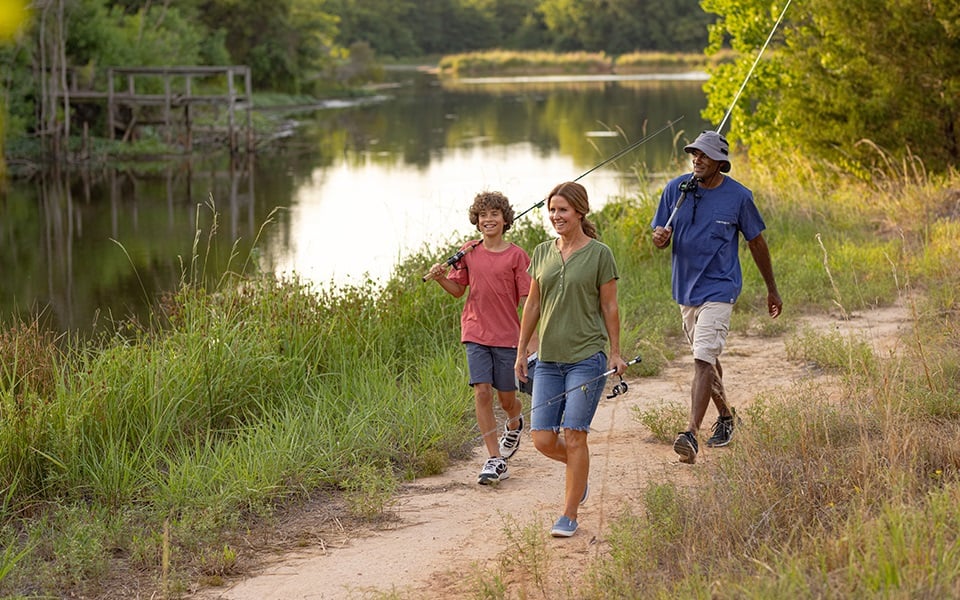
point(350, 192)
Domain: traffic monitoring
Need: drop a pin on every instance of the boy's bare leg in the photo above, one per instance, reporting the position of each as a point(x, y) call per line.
point(486, 421)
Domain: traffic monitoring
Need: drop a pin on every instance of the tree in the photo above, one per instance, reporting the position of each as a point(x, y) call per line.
point(384, 25)
point(284, 42)
point(842, 72)
point(621, 26)
point(444, 26)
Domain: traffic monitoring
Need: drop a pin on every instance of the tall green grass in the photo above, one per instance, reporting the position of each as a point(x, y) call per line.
point(231, 401)
point(506, 62)
point(509, 62)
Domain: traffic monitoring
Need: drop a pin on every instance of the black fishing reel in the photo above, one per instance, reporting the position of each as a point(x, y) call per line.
point(620, 388)
point(689, 185)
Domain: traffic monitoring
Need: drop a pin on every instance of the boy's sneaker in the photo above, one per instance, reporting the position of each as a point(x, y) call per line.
point(564, 527)
point(510, 440)
point(686, 446)
point(586, 494)
point(722, 431)
point(494, 471)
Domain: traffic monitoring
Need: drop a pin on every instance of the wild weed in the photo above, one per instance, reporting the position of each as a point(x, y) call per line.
point(663, 421)
point(527, 562)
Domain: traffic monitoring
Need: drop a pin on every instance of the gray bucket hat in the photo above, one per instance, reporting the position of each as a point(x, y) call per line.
point(715, 146)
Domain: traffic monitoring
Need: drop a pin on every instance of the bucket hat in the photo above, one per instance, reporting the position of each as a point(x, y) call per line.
point(715, 146)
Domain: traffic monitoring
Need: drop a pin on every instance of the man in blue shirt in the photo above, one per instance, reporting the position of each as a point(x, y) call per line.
point(704, 215)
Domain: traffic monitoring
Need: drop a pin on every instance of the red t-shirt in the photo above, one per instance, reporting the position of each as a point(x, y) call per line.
point(496, 281)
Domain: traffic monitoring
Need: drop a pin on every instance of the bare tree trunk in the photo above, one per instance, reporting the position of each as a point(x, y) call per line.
point(42, 8)
point(64, 87)
point(52, 52)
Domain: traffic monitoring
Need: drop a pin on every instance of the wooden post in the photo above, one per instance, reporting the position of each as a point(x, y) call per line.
point(166, 108)
point(248, 85)
point(232, 100)
point(186, 114)
point(110, 104)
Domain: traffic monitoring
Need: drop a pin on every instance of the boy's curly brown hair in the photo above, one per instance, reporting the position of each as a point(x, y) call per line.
point(488, 201)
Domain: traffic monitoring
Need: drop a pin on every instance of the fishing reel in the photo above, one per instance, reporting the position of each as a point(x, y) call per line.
point(689, 185)
point(620, 388)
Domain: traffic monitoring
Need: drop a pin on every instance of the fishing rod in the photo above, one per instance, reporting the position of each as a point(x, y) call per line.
point(618, 389)
point(753, 66)
point(610, 159)
point(690, 185)
point(463, 252)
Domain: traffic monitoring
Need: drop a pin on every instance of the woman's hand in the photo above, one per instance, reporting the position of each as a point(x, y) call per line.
point(520, 367)
point(617, 364)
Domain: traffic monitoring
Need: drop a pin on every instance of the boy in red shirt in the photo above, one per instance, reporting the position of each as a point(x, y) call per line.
point(496, 273)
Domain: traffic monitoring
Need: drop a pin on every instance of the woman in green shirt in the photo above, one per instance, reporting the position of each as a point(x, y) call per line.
point(573, 300)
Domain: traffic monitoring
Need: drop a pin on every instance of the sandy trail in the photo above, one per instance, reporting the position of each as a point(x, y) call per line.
point(447, 528)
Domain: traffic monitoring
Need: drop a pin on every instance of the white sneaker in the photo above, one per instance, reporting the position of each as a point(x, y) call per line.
point(510, 440)
point(494, 471)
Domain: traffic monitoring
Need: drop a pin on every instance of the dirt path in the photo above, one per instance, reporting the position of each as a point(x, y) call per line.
point(447, 528)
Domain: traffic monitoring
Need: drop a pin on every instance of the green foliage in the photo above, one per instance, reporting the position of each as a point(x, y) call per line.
point(625, 25)
point(324, 47)
point(832, 352)
point(285, 43)
point(104, 35)
point(473, 64)
point(664, 421)
point(16, 112)
point(404, 29)
point(385, 25)
point(826, 86)
point(368, 492)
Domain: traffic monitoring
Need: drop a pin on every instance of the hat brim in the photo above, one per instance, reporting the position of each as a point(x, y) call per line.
point(711, 154)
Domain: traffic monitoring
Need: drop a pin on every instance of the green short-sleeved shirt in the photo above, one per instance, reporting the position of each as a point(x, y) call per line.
point(571, 323)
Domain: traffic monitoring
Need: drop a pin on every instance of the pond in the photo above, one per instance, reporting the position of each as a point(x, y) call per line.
point(350, 191)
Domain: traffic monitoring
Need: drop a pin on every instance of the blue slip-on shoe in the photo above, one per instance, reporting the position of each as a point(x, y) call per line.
point(564, 527)
point(586, 494)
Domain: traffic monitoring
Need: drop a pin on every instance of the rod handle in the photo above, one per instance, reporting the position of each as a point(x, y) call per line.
point(456, 257)
point(632, 361)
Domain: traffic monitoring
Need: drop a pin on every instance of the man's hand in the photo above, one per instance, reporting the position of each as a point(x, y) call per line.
point(661, 236)
point(774, 304)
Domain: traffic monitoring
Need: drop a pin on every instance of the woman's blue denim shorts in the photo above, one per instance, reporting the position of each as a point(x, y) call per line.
point(583, 382)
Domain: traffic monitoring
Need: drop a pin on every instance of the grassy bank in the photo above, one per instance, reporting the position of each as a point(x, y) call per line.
point(514, 62)
point(147, 451)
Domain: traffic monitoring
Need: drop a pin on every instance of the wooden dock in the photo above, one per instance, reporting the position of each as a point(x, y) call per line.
point(173, 97)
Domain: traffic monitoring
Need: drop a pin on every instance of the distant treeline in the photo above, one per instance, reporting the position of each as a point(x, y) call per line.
point(409, 28)
point(881, 91)
point(312, 46)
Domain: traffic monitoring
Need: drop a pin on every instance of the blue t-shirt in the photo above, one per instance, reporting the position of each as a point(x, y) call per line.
point(706, 228)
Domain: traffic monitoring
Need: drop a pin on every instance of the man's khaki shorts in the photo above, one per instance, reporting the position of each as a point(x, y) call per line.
point(706, 328)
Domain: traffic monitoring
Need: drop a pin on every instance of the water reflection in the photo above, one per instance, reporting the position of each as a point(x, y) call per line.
point(356, 222)
point(404, 173)
point(82, 247)
point(358, 186)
